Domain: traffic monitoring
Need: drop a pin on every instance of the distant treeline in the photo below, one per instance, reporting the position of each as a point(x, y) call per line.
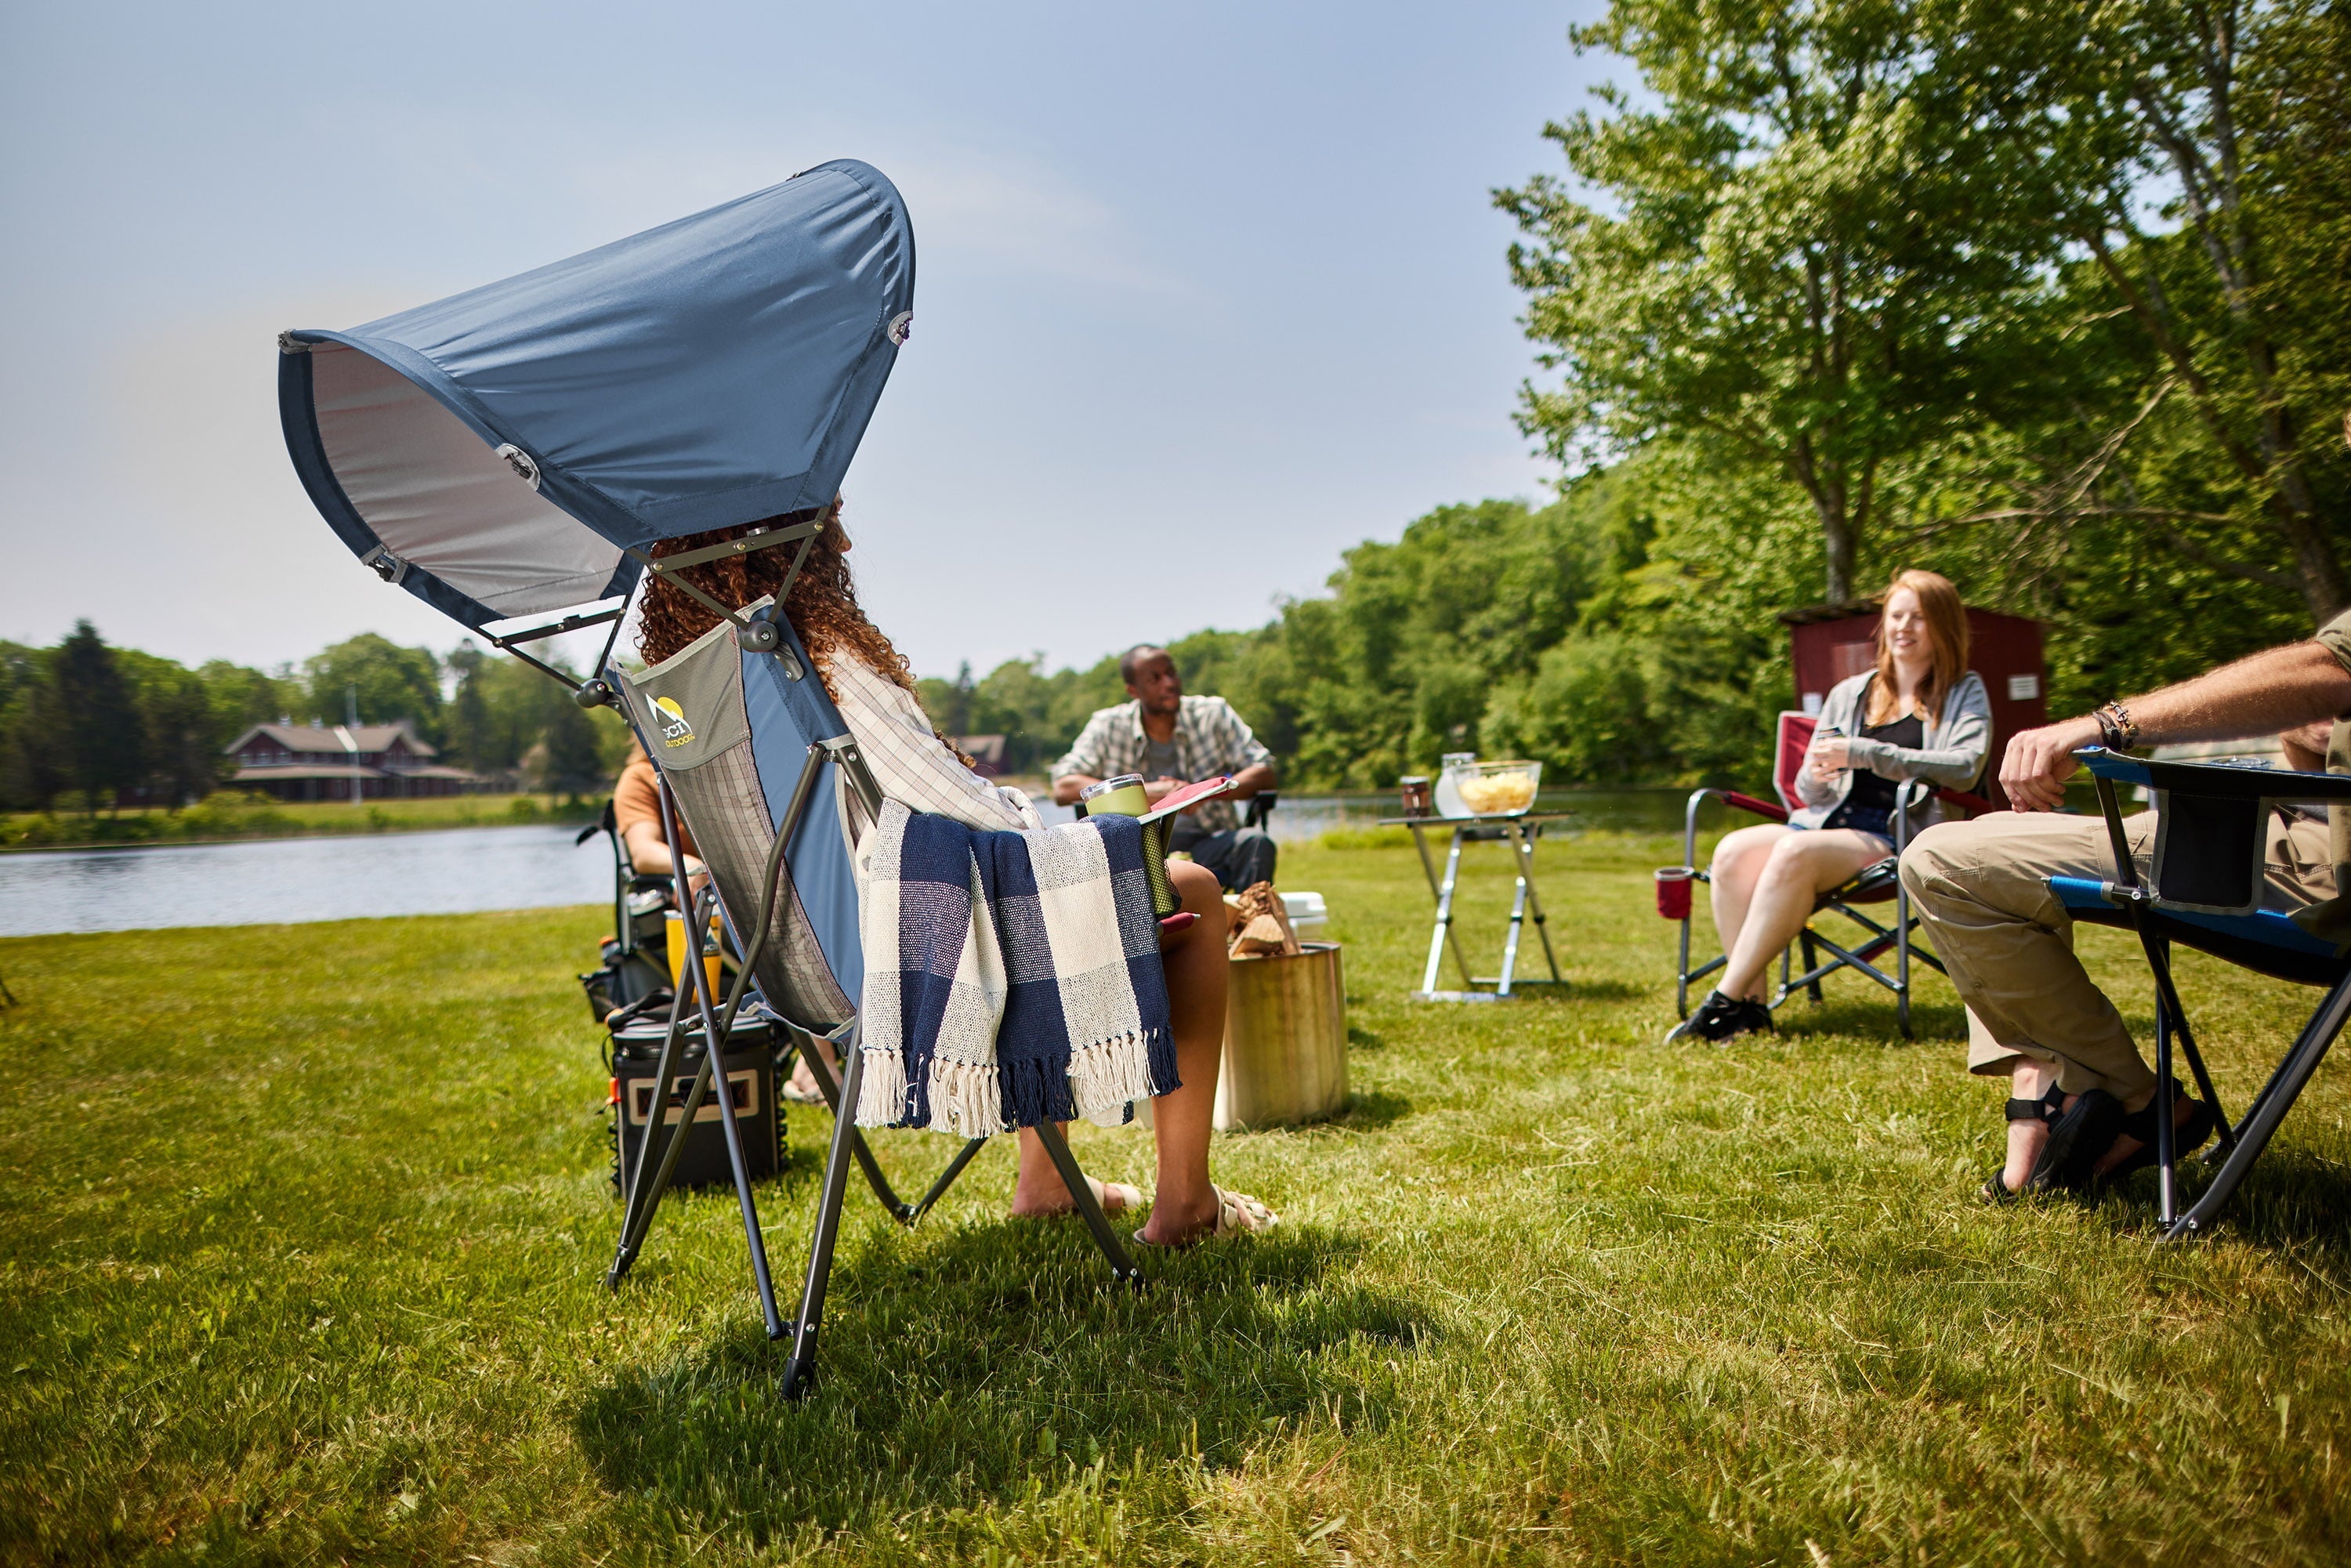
point(2049, 298)
point(90, 726)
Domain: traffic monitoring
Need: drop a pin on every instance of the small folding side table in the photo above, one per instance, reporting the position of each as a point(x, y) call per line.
point(1521, 833)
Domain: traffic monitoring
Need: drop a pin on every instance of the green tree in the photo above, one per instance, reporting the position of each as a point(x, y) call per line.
point(570, 760)
point(1790, 253)
point(30, 772)
point(2236, 115)
point(182, 752)
point(390, 683)
point(475, 735)
point(94, 718)
point(241, 696)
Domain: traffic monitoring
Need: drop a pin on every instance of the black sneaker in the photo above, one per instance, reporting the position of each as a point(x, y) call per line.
point(1720, 1017)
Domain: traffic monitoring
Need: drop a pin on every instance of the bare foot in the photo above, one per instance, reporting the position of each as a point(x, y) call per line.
point(2025, 1142)
point(1044, 1201)
point(1171, 1225)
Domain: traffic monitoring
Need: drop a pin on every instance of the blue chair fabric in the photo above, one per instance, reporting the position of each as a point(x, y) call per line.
point(2203, 888)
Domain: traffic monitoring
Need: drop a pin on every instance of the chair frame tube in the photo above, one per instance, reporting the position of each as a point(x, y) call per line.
point(1897, 936)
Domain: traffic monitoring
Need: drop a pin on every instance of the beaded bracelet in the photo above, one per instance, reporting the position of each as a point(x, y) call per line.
point(2115, 730)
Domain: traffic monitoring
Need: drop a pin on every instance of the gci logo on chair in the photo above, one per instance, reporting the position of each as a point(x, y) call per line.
point(676, 731)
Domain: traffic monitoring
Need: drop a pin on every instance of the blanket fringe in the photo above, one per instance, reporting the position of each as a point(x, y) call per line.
point(882, 1093)
point(1111, 1072)
point(964, 1099)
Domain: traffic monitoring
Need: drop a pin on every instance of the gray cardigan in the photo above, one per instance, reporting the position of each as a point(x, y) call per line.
point(1953, 757)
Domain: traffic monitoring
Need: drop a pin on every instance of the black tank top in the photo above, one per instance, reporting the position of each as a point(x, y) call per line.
point(1870, 792)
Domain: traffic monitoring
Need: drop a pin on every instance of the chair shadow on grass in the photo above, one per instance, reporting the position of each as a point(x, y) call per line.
point(978, 1362)
point(2292, 1201)
point(1866, 1013)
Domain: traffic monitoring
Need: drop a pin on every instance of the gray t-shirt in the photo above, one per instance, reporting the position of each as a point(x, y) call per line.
point(1159, 759)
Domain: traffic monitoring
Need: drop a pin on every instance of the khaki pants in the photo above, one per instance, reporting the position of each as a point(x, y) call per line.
point(1982, 891)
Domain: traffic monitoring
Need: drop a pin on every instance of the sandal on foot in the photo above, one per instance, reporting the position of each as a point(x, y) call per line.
point(2077, 1141)
point(2048, 1108)
point(2187, 1136)
point(1238, 1214)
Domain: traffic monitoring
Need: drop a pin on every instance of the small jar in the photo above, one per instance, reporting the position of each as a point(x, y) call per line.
point(1123, 796)
point(1414, 791)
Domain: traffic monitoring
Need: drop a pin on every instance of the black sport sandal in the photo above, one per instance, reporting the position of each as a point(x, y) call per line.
point(2077, 1141)
point(2048, 1108)
point(2187, 1136)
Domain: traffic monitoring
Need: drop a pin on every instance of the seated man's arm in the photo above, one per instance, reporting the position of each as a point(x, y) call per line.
point(1255, 779)
point(2280, 689)
point(1083, 764)
point(1245, 756)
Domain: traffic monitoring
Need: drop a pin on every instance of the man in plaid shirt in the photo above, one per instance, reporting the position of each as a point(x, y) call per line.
point(1173, 740)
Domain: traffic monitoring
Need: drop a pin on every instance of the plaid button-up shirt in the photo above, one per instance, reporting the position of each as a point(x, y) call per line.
point(1210, 738)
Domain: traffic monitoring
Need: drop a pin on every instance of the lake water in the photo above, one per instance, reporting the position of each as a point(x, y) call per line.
point(300, 879)
point(359, 876)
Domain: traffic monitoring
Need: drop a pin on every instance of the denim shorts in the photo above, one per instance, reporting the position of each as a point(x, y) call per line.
point(1863, 820)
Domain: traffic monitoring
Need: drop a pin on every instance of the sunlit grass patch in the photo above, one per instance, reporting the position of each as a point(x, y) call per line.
point(305, 1227)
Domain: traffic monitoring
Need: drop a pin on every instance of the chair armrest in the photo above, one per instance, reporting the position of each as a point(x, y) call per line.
point(2221, 779)
point(1730, 798)
point(1966, 801)
point(1764, 809)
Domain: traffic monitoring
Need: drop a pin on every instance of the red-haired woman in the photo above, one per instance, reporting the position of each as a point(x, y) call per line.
point(1920, 714)
point(873, 688)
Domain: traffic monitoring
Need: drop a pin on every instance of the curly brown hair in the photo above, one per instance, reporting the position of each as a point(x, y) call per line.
point(822, 608)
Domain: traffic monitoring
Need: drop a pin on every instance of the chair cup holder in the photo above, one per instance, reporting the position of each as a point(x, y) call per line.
point(1673, 891)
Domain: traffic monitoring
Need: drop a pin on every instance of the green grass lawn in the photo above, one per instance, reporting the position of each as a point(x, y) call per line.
point(304, 1230)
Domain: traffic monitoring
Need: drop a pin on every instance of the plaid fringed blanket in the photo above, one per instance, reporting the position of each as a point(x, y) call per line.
point(1011, 978)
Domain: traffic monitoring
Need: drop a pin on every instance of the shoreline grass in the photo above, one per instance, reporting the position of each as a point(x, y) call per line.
point(237, 816)
point(307, 1225)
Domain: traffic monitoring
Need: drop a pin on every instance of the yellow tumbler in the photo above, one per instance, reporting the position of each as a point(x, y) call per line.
point(675, 933)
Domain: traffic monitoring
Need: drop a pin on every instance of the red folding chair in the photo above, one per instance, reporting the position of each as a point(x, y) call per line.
point(1874, 884)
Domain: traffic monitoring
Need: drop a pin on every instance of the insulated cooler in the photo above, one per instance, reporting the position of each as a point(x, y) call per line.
point(750, 1077)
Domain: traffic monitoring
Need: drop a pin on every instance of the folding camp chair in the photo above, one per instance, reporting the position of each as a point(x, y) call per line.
point(635, 964)
point(2202, 888)
point(1876, 883)
point(510, 455)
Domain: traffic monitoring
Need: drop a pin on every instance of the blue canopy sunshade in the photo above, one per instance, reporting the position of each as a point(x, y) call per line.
point(510, 451)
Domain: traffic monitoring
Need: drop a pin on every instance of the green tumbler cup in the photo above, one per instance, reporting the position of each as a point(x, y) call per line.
point(1125, 796)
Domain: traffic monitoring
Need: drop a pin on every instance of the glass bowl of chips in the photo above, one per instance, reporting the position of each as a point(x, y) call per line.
point(1491, 788)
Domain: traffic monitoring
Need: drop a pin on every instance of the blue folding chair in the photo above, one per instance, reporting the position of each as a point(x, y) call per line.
point(513, 452)
point(2203, 889)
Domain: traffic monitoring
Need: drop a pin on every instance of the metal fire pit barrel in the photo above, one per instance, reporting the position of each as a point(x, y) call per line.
point(1285, 1040)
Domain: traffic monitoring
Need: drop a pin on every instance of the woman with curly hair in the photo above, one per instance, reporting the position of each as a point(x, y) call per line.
point(871, 684)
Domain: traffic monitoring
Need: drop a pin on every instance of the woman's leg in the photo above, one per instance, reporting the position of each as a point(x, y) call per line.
point(1194, 961)
point(1738, 860)
point(1802, 867)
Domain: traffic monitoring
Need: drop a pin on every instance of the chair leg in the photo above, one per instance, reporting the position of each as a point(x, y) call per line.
point(2284, 1086)
point(1682, 974)
point(800, 1373)
point(1902, 965)
point(1812, 962)
point(900, 1209)
point(1081, 1193)
point(2167, 997)
point(2166, 1154)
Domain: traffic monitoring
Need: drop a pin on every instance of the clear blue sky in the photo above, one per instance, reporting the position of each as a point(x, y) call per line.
point(1207, 292)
